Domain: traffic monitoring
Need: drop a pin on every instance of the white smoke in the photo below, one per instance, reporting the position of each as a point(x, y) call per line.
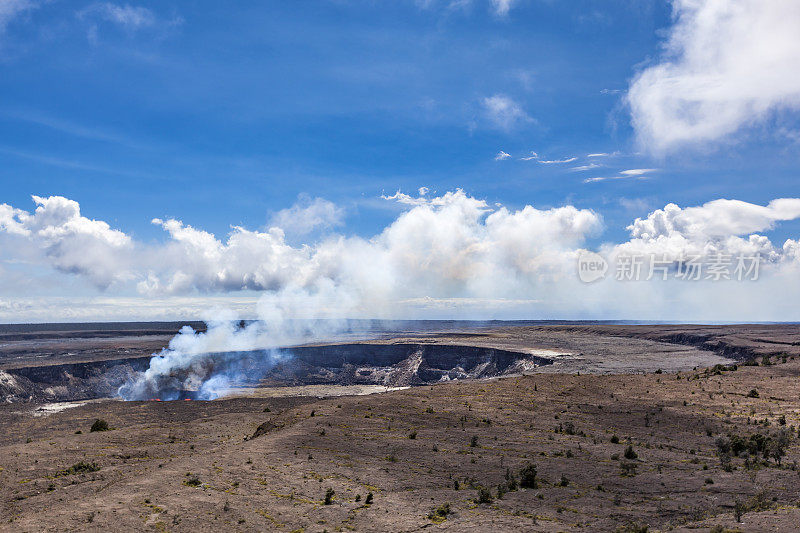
point(448, 256)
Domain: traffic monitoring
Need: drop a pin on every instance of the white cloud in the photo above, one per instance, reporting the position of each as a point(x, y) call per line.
point(423, 191)
point(308, 215)
point(502, 7)
point(448, 255)
point(503, 112)
point(128, 16)
point(583, 168)
point(535, 157)
point(501, 155)
point(636, 173)
point(71, 242)
point(10, 9)
point(558, 161)
point(727, 64)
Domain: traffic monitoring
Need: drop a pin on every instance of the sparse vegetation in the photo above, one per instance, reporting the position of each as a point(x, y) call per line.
point(527, 477)
point(329, 496)
point(193, 481)
point(484, 496)
point(99, 425)
point(81, 467)
point(439, 514)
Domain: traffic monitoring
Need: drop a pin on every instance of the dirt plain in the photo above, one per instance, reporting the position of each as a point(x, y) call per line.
point(425, 452)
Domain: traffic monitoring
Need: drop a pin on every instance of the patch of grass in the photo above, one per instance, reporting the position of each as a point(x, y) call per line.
point(81, 467)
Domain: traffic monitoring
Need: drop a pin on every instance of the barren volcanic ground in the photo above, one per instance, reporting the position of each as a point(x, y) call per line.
point(623, 427)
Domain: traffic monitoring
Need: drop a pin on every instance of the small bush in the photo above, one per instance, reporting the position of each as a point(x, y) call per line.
point(368, 501)
point(473, 442)
point(614, 439)
point(439, 514)
point(193, 482)
point(628, 469)
point(99, 425)
point(564, 481)
point(752, 394)
point(484, 496)
point(81, 467)
point(412, 435)
point(329, 496)
point(630, 453)
point(527, 477)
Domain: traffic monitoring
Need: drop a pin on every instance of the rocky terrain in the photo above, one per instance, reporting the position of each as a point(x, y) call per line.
point(555, 448)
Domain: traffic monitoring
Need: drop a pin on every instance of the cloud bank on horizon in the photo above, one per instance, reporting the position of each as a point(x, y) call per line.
point(451, 253)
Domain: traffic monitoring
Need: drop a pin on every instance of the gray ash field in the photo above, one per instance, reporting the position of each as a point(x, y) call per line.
point(666, 426)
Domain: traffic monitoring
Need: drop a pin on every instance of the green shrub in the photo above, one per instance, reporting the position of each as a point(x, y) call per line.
point(99, 425)
point(81, 467)
point(439, 514)
point(329, 496)
point(193, 482)
point(630, 453)
point(484, 496)
point(527, 477)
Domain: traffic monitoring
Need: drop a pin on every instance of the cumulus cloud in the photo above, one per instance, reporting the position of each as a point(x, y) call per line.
point(726, 65)
point(503, 112)
point(715, 227)
point(307, 215)
point(441, 256)
point(71, 242)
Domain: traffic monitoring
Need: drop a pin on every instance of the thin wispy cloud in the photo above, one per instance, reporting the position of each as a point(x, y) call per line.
point(10, 9)
point(71, 128)
point(558, 161)
point(535, 157)
point(501, 155)
point(503, 112)
point(583, 168)
point(502, 7)
point(634, 173)
point(128, 16)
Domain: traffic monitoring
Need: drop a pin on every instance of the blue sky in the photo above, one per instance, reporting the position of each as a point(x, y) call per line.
point(221, 115)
